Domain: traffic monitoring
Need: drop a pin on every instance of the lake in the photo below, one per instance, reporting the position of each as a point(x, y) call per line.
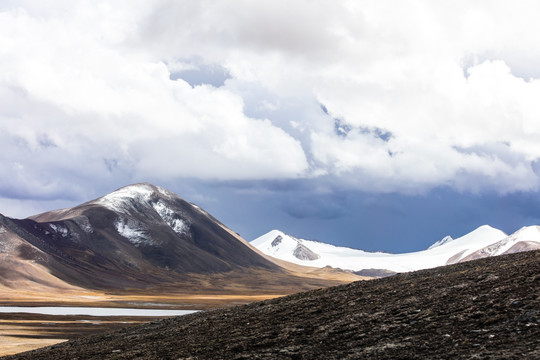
point(92, 311)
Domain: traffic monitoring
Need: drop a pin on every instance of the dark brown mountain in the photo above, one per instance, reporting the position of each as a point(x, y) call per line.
point(137, 237)
point(22, 264)
point(482, 309)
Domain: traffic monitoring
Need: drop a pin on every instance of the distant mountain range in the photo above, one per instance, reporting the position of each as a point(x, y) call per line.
point(144, 237)
point(482, 242)
point(138, 237)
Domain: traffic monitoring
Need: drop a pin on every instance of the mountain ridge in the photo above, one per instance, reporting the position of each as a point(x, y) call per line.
point(142, 236)
point(481, 242)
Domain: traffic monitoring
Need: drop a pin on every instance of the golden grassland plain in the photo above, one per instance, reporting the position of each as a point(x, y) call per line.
point(23, 332)
point(33, 285)
point(18, 342)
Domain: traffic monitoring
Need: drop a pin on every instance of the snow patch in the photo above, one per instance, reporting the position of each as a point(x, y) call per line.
point(61, 230)
point(2, 230)
point(133, 231)
point(171, 218)
point(120, 199)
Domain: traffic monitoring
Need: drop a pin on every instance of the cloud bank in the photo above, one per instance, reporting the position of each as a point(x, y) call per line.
point(377, 96)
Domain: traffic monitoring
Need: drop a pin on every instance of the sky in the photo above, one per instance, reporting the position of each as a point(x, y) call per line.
point(379, 125)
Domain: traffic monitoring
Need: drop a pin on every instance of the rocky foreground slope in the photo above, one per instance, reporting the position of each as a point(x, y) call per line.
point(487, 308)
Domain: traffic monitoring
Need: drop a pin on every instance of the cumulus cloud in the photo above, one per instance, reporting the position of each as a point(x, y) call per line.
point(414, 94)
point(79, 99)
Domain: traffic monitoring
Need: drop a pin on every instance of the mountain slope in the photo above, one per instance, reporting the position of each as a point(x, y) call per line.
point(525, 239)
point(144, 236)
point(482, 242)
point(18, 265)
point(483, 309)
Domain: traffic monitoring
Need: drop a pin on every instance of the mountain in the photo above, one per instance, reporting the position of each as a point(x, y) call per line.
point(22, 264)
point(137, 237)
point(483, 309)
point(443, 241)
point(525, 239)
point(482, 242)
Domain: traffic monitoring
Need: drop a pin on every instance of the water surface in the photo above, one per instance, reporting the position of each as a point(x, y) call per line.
point(92, 311)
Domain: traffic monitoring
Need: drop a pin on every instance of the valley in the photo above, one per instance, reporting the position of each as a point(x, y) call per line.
point(145, 247)
point(486, 308)
point(22, 332)
point(264, 179)
point(138, 247)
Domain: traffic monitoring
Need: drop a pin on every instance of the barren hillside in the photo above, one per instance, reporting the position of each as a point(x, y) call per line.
point(487, 308)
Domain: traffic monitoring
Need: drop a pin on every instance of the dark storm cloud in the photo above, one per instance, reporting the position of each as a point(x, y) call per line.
point(374, 222)
point(315, 206)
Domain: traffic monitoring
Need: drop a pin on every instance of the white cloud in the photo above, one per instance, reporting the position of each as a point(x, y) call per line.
point(80, 99)
point(21, 208)
point(86, 89)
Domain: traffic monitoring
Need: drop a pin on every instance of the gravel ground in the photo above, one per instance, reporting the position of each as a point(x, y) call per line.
point(483, 309)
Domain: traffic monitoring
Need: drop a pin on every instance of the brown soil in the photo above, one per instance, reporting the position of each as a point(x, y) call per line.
point(23, 332)
point(484, 309)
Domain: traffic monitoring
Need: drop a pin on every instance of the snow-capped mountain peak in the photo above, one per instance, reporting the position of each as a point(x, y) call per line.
point(526, 238)
point(443, 241)
point(273, 235)
point(483, 232)
point(139, 206)
point(483, 241)
point(276, 243)
point(140, 237)
point(528, 233)
point(123, 199)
